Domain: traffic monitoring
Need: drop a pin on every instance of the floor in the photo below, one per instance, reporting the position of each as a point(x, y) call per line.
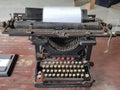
point(106, 70)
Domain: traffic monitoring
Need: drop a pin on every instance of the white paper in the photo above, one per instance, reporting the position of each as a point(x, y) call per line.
point(4, 62)
point(62, 14)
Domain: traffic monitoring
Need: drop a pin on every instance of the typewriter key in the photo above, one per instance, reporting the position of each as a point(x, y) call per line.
point(58, 75)
point(71, 70)
point(43, 70)
point(55, 66)
point(64, 62)
point(55, 70)
point(63, 66)
point(62, 75)
point(74, 66)
point(47, 66)
point(82, 66)
point(79, 70)
point(72, 62)
point(87, 75)
point(49, 75)
point(74, 75)
point(70, 66)
point(51, 70)
point(59, 70)
point(76, 62)
point(38, 76)
point(43, 66)
point(82, 75)
point(66, 66)
point(39, 72)
point(45, 75)
point(68, 70)
point(59, 66)
point(78, 74)
point(51, 66)
point(45, 62)
point(68, 62)
point(85, 61)
point(53, 74)
point(47, 70)
point(60, 62)
point(75, 70)
point(63, 70)
point(80, 62)
point(70, 74)
point(66, 75)
point(78, 66)
point(49, 62)
point(83, 70)
point(57, 62)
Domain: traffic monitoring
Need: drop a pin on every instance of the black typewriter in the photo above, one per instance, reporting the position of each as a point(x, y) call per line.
point(62, 50)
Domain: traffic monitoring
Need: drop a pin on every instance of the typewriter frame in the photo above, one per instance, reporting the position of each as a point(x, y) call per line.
point(89, 44)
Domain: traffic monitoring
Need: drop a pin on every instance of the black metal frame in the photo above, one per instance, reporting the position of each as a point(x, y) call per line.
point(86, 45)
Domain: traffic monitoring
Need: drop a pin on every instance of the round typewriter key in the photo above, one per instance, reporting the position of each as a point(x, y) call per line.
point(70, 66)
point(57, 62)
point(85, 61)
point(63, 70)
point(62, 58)
point(82, 75)
point(68, 62)
point(60, 62)
point(39, 72)
point(43, 66)
point(66, 74)
point(53, 58)
point(58, 75)
point(71, 70)
point(66, 66)
point(79, 70)
point(59, 70)
point(67, 58)
point(49, 75)
point(75, 70)
point(59, 66)
point(83, 70)
point(38, 76)
point(62, 75)
point(53, 74)
point(74, 66)
point(55, 66)
point(47, 66)
point(49, 62)
point(45, 75)
point(76, 62)
point(78, 74)
point(55, 70)
point(72, 62)
point(78, 66)
point(51, 66)
point(64, 62)
point(63, 66)
point(51, 70)
point(87, 75)
point(58, 58)
point(70, 75)
point(47, 70)
point(72, 58)
point(74, 75)
point(82, 66)
point(68, 70)
point(43, 70)
point(80, 62)
point(45, 62)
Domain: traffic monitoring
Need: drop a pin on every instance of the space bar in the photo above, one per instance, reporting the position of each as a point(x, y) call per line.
point(63, 79)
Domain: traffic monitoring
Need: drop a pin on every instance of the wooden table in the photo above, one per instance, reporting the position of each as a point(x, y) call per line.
point(106, 71)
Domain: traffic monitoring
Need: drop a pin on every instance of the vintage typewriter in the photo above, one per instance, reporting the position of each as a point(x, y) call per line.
point(62, 50)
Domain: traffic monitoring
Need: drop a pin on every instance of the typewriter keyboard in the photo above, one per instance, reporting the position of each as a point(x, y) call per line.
point(68, 71)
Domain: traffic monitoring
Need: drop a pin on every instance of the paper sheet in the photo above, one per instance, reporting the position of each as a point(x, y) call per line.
point(4, 62)
point(62, 14)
